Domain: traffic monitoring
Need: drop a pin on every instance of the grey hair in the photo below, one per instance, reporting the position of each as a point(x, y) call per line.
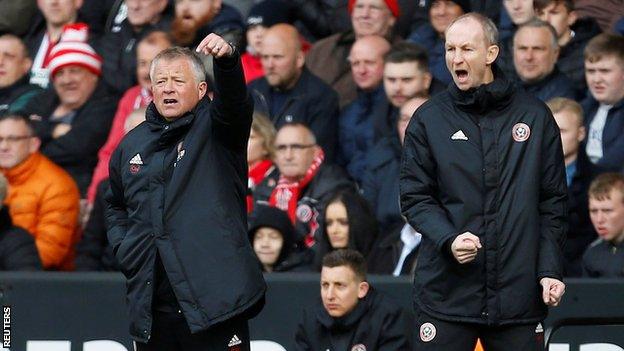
point(176, 52)
point(489, 28)
point(538, 23)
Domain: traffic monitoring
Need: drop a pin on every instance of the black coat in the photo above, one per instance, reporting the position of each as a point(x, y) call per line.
point(310, 101)
point(556, 84)
point(17, 247)
point(178, 190)
point(76, 152)
point(387, 252)
point(604, 259)
point(17, 95)
point(93, 252)
point(463, 171)
point(381, 182)
point(571, 61)
point(376, 323)
point(328, 180)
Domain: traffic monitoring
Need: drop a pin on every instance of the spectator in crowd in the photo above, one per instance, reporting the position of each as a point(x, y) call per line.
point(406, 75)
point(260, 154)
point(356, 126)
point(119, 48)
point(59, 20)
point(569, 117)
point(93, 251)
point(453, 174)
point(97, 14)
point(304, 182)
point(347, 223)
point(604, 109)
point(605, 257)
point(328, 57)
point(291, 93)
point(194, 19)
point(535, 53)
point(351, 315)
point(15, 16)
point(431, 35)
point(318, 19)
point(381, 181)
point(17, 247)
point(15, 88)
point(273, 238)
point(517, 12)
point(134, 98)
point(262, 16)
point(73, 119)
point(42, 198)
point(573, 33)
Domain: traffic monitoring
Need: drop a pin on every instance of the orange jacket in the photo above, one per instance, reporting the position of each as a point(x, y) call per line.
point(44, 200)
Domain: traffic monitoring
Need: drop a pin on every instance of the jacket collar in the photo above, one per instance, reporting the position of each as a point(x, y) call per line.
point(496, 94)
point(22, 172)
point(24, 81)
point(170, 131)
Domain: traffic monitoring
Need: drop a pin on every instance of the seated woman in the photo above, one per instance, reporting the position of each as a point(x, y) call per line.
point(260, 153)
point(272, 237)
point(347, 222)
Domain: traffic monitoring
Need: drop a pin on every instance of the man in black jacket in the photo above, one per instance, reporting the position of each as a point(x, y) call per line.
point(289, 92)
point(176, 214)
point(483, 181)
point(15, 89)
point(351, 314)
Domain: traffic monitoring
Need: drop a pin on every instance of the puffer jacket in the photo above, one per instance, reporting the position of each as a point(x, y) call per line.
point(44, 200)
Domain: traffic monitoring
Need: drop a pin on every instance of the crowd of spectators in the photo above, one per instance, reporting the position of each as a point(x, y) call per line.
point(335, 84)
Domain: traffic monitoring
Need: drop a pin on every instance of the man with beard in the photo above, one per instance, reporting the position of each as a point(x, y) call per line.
point(194, 19)
point(491, 213)
point(118, 48)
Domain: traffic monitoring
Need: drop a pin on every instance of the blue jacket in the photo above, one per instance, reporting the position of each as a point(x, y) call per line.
point(428, 38)
point(356, 132)
point(381, 182)
point(556, 84)
point(612, 135)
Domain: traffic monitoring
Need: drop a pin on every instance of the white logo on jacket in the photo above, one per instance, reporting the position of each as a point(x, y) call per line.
point(459, 135)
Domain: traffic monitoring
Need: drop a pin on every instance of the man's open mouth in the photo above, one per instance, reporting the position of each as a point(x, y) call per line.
point(170, 101)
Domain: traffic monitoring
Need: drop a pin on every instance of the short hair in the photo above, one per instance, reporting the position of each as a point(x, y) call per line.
point(176, 52)
point(605, 44)
point(347, 257)
point(17, 117)
point(601, 187)
point(299, 125)
point(542, 4)
point(538, 23)
point(262, 125)
point(559, 104)
point(4, 185)
point(23, 47)
point(489, 28)
point(408, 52)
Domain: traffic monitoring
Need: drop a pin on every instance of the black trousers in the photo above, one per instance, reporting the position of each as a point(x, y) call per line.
point(171, 333)
point(437, 335)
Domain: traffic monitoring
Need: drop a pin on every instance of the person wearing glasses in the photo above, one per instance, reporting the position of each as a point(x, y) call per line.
point(42, 197)
point(303, 181)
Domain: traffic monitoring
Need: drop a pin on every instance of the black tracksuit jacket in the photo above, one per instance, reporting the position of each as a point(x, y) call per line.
point(463, 170)
point(184, 198)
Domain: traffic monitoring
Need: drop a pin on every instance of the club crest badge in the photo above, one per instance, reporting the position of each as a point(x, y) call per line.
point(304, 213)
point(358, 347)
point(520, 132)
point(427, 332)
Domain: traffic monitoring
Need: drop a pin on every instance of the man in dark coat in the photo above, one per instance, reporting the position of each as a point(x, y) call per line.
point(15, 89)
point(303, 181)
point(73, 119)
point(491, 212)
point(351, 314)
point(604, 107)
point(289, 92)
point(535, 53)
point(176, 212)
